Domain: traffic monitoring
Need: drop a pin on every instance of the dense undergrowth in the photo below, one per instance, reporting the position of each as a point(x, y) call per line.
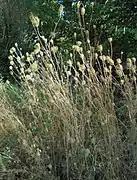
point(71, 115)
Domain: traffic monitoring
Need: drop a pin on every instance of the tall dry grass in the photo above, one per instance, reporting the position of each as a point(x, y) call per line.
point(68, 117)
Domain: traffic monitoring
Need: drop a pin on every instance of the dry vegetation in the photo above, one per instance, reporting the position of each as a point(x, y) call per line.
point(68, 117)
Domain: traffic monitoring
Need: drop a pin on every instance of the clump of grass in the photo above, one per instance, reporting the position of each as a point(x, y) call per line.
point(63, 120)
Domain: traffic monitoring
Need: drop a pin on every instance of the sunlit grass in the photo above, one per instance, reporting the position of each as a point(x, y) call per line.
point(68, 117)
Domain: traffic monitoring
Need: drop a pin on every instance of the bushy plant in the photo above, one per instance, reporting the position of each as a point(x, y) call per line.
point(68, 117)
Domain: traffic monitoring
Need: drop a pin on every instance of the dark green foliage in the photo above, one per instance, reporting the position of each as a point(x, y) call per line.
point(11, 29)
point(114, 18)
